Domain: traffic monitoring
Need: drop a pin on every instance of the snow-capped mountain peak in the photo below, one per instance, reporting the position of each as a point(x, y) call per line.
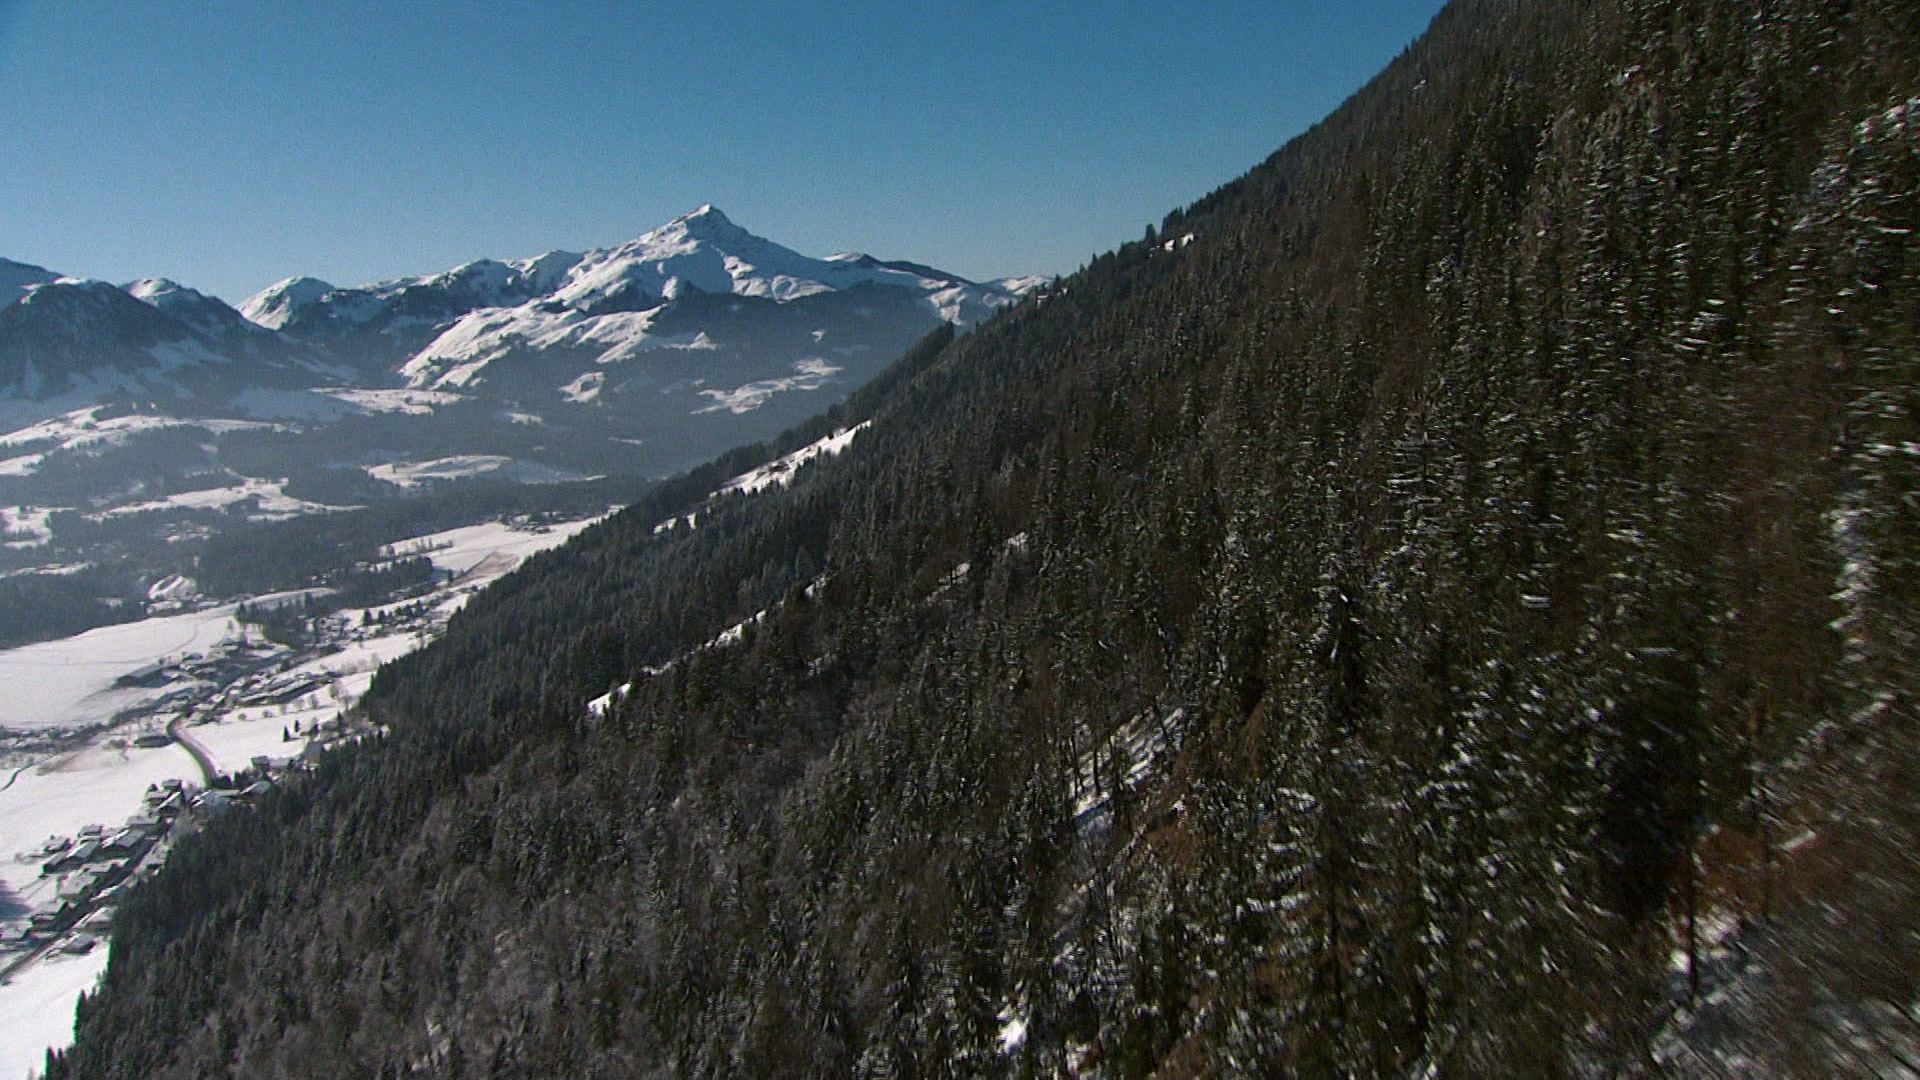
point(17, 277)
point(82, 333)
point(272, 306)
point(156, 290)
point(698, 309)
point(196, 310)
point(544, 273)
point(62, 288)
point(611, 304)
point(707, 251)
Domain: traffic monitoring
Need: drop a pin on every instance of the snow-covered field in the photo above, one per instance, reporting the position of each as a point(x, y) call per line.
point(410, 402)
point(39, 1009)
point(271, 503)
point(414, 473)
point(85, 429)
point(70, 682)
point(98, 784)
point(410, 474)
point(460, 551)
point(102, 778)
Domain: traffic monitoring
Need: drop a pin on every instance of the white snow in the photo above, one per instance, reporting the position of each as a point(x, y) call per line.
point(410, 474)
point(173, 587)
point(414, 473)
point(290, 404)
point(271, 503)
point(545, 272)
point(810, 374)
point(29, 523)
point(691, 520)
point(779, 472)
point(409, 402)
point(70, 682)
point(48, 569)
point(599, 706)
point(84, 429)
point(39, 1007)
point(1013, 1032)
point(463, 351)
point(585, 388)
point(1132, 751)
point(737, 633)
point(1021, 286)
point(244, 734)
point(1805, 837)
point(272, 306)
point(476, 548)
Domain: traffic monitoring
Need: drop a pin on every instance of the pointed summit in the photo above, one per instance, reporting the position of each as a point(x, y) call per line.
point(707, 214)
point(707, 223)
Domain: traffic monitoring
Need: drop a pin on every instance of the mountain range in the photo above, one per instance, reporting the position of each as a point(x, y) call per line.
point(699, 310)
point(631, 361)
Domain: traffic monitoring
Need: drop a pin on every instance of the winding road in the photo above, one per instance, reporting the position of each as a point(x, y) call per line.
point(193, 748)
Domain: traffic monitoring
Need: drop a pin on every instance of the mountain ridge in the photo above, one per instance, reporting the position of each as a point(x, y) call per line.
point(380, 328)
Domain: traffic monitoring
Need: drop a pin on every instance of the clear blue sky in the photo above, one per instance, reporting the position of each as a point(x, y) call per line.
point(228, 145)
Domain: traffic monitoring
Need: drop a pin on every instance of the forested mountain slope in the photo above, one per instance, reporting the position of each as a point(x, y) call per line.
point(1453, 616)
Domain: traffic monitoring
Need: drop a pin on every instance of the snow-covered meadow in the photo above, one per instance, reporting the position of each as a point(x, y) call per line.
point(70, 683)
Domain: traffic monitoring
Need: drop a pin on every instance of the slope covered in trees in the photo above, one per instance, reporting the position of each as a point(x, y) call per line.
point(1453, 616)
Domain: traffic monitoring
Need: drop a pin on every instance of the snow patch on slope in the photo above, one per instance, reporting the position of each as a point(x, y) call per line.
point(809, 374)
point(84, 429)
point(780, 472)
point(16, 277)
point(270, 502)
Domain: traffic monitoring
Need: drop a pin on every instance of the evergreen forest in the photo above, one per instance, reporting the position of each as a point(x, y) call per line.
point(1442, 604)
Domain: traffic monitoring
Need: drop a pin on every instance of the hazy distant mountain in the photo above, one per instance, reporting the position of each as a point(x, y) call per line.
point(75, 341)
point(206, 315)
point(72, 334)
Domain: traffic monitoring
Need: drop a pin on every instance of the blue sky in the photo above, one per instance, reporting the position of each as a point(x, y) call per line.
point(228, 145)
